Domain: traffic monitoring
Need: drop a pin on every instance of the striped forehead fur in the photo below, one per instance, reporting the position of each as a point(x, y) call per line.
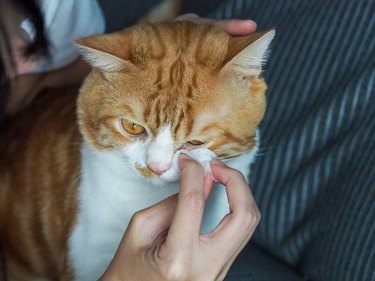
point(179, 72)
point(174, 41)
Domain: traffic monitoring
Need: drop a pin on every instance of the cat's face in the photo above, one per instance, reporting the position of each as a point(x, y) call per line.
point(156, 89)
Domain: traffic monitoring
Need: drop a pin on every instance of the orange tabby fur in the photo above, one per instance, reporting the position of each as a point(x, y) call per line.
point(172, 71)
point(39, 171)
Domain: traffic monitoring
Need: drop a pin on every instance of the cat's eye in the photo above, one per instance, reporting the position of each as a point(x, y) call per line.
point(195, 142)
point(132, 128)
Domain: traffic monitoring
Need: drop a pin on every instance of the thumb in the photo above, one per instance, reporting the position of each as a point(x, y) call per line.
point(147, 225)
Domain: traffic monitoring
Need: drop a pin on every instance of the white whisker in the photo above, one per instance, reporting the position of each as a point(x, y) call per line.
point(230, 156)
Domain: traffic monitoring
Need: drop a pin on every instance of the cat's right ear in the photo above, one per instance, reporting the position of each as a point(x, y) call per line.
point(108, 52)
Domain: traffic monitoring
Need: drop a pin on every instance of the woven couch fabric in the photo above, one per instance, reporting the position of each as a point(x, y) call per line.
point(254, 264)
point(315, 178)
point(120, 14)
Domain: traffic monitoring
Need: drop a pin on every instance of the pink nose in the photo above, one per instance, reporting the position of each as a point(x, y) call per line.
point(158, 169)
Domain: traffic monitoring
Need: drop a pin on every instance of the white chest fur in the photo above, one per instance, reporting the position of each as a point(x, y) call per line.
point(109, 194)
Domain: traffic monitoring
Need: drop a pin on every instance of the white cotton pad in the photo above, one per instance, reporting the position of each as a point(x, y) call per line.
point(202, 155)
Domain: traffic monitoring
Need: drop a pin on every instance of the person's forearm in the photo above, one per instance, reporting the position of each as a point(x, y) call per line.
point(26, 87)
point(71, 75)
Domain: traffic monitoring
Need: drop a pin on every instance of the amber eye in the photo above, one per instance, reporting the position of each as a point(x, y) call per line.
point(195, 142)
point(132, 128)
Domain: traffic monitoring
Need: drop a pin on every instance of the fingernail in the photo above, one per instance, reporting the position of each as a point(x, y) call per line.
point(181, 158)
point(213, 178)
point(250, 21)
point(185, 156)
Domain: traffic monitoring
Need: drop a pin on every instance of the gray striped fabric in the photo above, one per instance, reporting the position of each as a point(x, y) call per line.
point(315, 178)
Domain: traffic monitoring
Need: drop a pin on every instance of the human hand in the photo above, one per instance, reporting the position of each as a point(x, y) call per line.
point(235, 27)
point(163, 241)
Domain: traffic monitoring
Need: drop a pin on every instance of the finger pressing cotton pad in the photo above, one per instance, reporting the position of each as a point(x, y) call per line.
point(202, 155)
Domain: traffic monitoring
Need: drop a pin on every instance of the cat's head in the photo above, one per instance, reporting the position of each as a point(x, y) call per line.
point(158, 88)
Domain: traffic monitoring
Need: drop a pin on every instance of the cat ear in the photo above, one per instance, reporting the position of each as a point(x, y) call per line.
point(246, 54)
point(108, 52)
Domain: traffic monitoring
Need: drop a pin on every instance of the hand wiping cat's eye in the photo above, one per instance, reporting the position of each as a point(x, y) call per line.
point(164, 242)
point(235, 27)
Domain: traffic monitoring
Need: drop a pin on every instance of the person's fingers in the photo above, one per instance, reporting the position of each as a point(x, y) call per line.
point(208, 184)
point(235, 27)
point(146, 225)
point(187, 220)
point(238, 226)
point(238, 191)
point(146, 231)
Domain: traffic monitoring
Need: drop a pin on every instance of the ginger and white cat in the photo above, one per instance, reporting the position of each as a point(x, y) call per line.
point(68, 191)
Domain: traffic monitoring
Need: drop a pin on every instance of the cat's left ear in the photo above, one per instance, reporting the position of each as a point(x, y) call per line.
point(247, 54)
point(108, 52)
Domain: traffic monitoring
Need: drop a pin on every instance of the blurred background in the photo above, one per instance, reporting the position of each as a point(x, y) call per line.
point(136, 9)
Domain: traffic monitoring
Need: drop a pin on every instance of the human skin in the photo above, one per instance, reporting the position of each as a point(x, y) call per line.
point(163, 242)
point(25, 86)
point(234, 27)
